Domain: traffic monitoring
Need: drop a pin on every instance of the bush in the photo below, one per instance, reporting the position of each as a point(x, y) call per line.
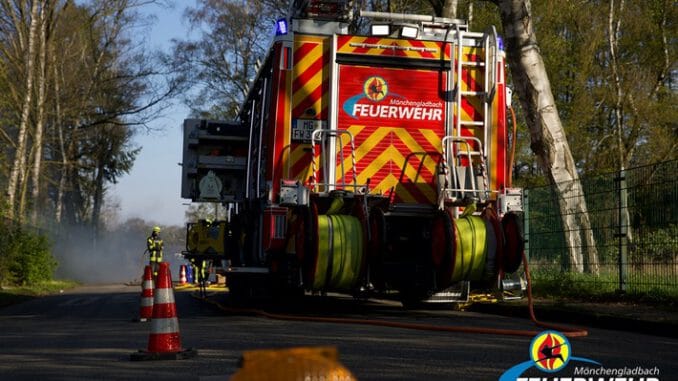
point(656, 246)
point(25, 257)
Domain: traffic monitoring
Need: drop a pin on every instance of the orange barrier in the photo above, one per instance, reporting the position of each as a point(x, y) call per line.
point(146, 304)
point(164, 342)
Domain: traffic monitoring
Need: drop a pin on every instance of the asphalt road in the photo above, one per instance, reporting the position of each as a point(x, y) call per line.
point(87, 334)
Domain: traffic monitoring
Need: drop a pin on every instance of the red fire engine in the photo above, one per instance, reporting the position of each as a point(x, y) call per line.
point(363, 162)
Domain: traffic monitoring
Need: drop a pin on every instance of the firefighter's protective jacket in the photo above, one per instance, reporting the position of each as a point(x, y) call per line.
point(154, 246)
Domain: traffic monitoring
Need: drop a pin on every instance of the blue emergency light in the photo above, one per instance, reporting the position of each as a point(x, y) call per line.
point(281, 27)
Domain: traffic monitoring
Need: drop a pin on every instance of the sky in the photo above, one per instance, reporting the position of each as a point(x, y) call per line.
point(152, 190)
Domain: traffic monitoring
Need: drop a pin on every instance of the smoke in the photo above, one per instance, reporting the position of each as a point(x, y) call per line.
point(116, 256)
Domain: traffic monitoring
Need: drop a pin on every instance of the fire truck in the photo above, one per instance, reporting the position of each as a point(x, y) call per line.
point(369, 159)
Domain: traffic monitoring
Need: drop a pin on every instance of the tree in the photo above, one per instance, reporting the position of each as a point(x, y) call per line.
point(111, 158)
point(78, 86)
point(222, 61)
point(609, 64)
point(26, 53)
point(548, 138)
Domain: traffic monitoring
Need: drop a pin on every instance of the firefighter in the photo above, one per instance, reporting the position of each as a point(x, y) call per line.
point(154, 247)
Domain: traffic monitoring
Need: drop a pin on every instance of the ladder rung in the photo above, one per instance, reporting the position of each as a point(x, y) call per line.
point(477, 123)
point(472, 63)
point(472, 93)
point(466, 153)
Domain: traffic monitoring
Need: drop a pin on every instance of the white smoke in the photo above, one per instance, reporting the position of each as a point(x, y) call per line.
point(116, 256)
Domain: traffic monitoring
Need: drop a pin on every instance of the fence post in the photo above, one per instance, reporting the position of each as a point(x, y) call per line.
point(526, 224)
point(622, 226)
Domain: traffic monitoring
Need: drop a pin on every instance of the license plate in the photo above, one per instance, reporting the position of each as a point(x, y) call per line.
point(303, 128)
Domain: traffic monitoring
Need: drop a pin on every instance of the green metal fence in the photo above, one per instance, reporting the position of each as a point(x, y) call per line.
point(634, 222)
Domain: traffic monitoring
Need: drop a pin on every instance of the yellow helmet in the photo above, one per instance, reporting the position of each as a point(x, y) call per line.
point(156, 229)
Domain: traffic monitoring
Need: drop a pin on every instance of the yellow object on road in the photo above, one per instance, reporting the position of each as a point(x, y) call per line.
point(320, 363)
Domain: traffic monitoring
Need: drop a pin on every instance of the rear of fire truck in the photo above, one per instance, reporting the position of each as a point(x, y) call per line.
point(365, 159)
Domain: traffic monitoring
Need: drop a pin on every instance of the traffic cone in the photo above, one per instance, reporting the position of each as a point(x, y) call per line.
point(182, 275)
point(146, 309)
point(164, 342)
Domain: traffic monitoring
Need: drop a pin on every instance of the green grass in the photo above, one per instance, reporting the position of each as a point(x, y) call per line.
point(13, 295)
point(603, 287)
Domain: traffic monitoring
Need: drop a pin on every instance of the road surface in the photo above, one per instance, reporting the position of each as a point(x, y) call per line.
point(88, 334)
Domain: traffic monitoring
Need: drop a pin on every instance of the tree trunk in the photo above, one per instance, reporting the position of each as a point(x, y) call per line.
point(613, 39)
point(548, 139)
point(98, 197)
point(19, 164)
point(39, 127)
point(60, 137)
point(103, 157)
point(450, 9)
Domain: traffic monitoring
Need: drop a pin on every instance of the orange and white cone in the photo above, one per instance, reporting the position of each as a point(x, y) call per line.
point(164, 342)
point(182, 275)
point(146, 305)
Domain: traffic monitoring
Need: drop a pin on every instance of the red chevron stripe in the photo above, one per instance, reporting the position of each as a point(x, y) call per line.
point(471, 83)
point(415, 191)
point(342, 41)
point(471, 111)
point(308, 101)
point(302, 50)
point(307, 74)
point(420, 44)
point(301, 165)
point(370, 40)
point(414, 162)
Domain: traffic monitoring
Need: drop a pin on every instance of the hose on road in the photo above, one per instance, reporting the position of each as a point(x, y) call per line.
point(567, 331)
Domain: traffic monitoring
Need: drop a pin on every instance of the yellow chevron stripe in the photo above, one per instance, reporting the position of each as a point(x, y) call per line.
point(413, 146)
point(432, 138)
point(387, 155)
point(313, 82)
point(366, 148)
point(391, 181)
point(298, 153)
point(429, 191)
point(390, 154)
point(476, 103)
point(351, 48)
point(363, 149)
point(378, 135)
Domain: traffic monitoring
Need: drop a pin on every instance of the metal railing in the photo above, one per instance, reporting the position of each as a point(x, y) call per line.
point(634, 222)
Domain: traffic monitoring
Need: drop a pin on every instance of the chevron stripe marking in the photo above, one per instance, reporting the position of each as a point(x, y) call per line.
point(413, 146)
point(401, 47)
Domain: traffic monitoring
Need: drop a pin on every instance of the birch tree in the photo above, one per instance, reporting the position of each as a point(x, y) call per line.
point(548, 140)
point(18, 168)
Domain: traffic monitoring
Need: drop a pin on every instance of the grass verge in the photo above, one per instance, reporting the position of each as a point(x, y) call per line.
point(12, 295)
point(601, 288)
